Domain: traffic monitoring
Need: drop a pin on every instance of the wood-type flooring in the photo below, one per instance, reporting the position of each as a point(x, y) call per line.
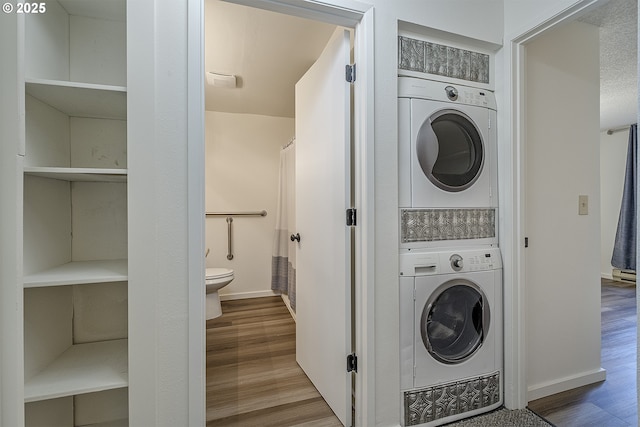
point(611, 403)
point(252, 375)
point(254, 380)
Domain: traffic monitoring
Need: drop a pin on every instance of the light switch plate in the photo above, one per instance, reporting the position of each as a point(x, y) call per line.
point(583, 205)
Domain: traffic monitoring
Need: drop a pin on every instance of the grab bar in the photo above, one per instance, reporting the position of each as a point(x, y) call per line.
point(230, 249)
point(254, 213)
point(230, 216)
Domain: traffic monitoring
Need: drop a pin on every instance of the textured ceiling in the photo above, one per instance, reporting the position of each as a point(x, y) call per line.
point(618, 22)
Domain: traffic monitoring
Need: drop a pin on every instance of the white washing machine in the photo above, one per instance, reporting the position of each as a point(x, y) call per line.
point(447, 145)
point(451, 316)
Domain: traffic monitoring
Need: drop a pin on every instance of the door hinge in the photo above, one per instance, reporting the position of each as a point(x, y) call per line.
point(350, 73)
point(352, 363)
point(351, 217)
point(526, 242)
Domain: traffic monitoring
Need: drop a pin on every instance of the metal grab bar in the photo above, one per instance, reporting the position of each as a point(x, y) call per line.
point(230, 216)
point(255, 213)
point(230, 249)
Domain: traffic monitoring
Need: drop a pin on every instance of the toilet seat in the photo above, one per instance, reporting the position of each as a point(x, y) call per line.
point(216, 278)
point(215, 273)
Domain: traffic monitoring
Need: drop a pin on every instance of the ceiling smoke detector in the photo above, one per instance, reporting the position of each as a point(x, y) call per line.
point(221, 80)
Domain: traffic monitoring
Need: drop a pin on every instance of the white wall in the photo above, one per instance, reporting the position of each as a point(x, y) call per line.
point(613, 161)
point(242, 164)
point(523, 15)
point(562, 162)
point(165, 358)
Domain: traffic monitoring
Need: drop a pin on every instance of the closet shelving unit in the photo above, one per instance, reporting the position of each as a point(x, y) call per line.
point(75, 215)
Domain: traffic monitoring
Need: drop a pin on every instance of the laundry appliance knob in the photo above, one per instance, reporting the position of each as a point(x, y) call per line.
point(452, 92)
point(456, 262)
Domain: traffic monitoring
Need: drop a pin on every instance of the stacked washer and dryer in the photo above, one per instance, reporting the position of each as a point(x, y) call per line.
point(450, 265)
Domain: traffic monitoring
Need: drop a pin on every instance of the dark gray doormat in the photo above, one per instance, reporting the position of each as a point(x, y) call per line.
point(504, 418)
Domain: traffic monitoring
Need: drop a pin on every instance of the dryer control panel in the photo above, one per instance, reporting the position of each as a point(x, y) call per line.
point(484, 261)
point(424, 263)
point(411, 87)
point(474, 97)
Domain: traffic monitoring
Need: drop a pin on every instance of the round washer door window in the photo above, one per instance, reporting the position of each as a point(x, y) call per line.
point(450, 150)
point(455, 321)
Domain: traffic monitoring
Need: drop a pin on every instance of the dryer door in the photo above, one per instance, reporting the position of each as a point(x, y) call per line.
point(450, 150)
point(455, 321)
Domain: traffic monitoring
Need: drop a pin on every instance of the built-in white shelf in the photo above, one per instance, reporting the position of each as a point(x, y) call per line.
point(114, 10)
point(79, 272)
point(81, 99)
point(83, 368)
point(78, 174)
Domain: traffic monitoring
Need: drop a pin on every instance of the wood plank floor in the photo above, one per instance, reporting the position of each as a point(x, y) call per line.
point(252, 375)
point(613, 402)
point(254, 380)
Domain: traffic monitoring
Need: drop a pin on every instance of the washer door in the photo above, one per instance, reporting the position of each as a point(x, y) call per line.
point(450, 150)
point(455, 321)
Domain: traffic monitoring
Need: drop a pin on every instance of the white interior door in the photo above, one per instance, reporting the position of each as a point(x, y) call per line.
point(323, 274)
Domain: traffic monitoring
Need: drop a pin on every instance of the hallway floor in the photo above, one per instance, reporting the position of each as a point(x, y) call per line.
point(252, 375)
point(611, 403)
point(254, 380)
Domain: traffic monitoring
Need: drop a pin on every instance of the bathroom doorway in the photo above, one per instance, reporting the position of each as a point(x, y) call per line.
point(244, 137)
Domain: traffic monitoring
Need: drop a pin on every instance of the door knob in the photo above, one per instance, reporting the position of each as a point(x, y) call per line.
point(295, 237)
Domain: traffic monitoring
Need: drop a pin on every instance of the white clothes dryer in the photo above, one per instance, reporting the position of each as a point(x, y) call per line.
point(447, 145)
point(451, 334)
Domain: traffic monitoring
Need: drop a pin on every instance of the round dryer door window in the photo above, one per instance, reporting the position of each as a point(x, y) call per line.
point(455, 321)
point(450, 150)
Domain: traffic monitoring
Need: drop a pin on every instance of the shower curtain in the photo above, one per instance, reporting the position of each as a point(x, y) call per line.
point(283, 261)
point(624, 249)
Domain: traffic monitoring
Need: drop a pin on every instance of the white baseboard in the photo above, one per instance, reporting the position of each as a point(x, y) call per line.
point(564, 384)
point(606, 276)
point(287, 302)
point(246, 295)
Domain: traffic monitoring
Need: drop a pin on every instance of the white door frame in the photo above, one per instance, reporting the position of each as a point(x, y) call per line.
point(347, 13)
point(196, 214)
point(514, 208)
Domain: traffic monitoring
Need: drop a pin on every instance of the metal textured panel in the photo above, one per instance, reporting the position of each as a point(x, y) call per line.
point(441, 60)
point(412, 54)
point(428, 225)
point(444, 400)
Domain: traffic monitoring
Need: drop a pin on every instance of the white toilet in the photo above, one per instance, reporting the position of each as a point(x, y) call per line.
point(216, 279)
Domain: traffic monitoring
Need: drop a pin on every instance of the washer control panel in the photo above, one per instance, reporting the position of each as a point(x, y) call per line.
point(425, 263)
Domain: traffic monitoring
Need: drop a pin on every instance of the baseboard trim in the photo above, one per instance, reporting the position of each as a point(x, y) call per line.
point(246, 295)
point(287, 302)
point(606, 276)
point(564, 384)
